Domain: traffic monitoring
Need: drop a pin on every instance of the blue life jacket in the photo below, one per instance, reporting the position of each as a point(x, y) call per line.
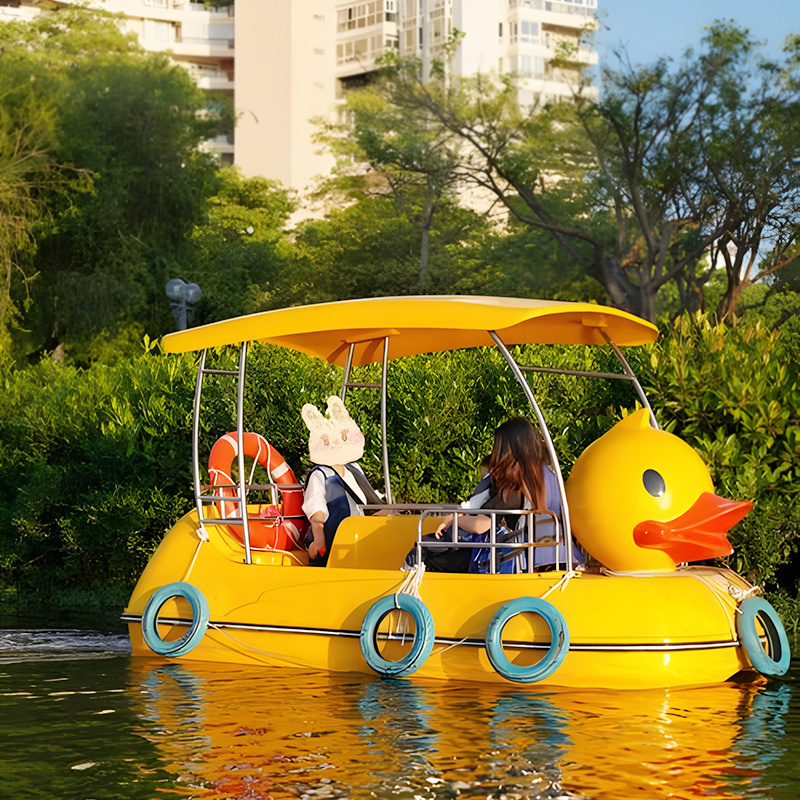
point(336, 493)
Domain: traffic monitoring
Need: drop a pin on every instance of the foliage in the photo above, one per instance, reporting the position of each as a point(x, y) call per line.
point(131, 122)
point(370, 248)
point(536, 266)
point(94, 466)
point(669, 164)
point(415, 157)
point(734, 395)
point(28, 172)
point(239, 252)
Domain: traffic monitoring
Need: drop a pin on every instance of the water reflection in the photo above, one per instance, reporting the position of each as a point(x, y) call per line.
point(238, 732)
point(80, 720)
point(67, 726)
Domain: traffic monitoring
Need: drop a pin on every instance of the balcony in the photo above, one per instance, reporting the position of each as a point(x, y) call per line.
point(197, 47)
point(570, 9)
point(211, 78)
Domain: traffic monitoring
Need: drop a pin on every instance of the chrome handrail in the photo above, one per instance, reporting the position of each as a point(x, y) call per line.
point(492, 544)
point(235, 498)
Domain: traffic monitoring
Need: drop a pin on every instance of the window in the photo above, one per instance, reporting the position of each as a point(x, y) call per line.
point(528, 32)
point(158, 31)
point(191, 31)
point(530, 66)
point(500, 29)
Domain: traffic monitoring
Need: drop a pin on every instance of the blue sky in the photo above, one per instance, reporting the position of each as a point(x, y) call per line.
point(651, 28)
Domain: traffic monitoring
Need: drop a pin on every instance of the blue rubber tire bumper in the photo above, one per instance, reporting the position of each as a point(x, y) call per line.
point(775, 662)
point(197, 627)
point(423, 635)
point(556, 653)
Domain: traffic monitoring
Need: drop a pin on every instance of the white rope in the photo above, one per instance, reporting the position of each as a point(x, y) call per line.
point(740, 595)
point(255, 652)
point(410, 586)
point(202, 535)
point(451, 646)
point(412, 581)
point(562, 584)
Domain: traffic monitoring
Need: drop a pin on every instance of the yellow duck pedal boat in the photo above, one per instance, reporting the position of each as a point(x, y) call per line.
point(639, 502)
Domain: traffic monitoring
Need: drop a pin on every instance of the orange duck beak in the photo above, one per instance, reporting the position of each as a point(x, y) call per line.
point(697, 534)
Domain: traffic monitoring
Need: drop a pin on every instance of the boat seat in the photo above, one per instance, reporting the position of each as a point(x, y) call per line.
point(376, 542)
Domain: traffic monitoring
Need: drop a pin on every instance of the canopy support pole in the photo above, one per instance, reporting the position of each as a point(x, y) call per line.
point(347, 383)
point(630, 373)
point(548, 442)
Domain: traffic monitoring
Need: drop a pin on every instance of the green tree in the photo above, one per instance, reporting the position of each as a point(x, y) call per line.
point(240, 250)
point(24, 166)
point(752, 127)
point(30, 178)
point(133, 121)
point(371, 248)
point(406, 152)
point(637, 186)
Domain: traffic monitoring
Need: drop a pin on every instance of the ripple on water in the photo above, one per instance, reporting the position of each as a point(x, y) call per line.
point(79, 726)
point(20, 645)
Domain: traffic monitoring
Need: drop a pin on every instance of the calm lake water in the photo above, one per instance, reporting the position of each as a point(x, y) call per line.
point(80, 718)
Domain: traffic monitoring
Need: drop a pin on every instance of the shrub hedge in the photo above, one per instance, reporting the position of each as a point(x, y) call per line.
point(95, 463)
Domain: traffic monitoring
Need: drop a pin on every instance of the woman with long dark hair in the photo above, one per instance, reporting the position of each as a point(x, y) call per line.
point(518, 477)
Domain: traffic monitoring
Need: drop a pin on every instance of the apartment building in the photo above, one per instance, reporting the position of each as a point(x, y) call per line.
point(285, 63)
point(201, 39)
point(519, 36)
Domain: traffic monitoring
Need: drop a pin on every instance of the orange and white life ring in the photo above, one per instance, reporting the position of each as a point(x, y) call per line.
point(284, 525)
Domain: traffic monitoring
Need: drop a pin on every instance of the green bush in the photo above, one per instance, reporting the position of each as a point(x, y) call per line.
point(95, 463)
point(734, 395)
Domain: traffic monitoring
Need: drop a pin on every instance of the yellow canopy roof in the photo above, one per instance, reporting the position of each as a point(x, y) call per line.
point(423, 324)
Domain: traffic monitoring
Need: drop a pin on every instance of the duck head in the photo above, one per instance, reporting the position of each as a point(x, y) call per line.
point(641, 499)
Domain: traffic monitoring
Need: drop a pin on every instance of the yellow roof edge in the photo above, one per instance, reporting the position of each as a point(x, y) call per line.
point(423, 324)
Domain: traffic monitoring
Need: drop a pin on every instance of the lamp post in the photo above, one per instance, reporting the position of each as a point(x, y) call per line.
point(182, 297)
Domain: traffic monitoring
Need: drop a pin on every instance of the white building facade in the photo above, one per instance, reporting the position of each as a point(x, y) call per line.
point(284, 63)
point(524, 37)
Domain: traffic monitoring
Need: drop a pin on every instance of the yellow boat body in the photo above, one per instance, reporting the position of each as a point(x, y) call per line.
point(626, 631)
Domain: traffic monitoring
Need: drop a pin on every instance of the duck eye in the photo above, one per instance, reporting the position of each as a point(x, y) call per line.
point(654, 483)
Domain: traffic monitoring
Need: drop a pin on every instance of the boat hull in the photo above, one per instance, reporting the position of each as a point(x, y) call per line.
point(624, 631)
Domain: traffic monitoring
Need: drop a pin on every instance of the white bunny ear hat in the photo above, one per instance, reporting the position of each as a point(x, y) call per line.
point(334, 439)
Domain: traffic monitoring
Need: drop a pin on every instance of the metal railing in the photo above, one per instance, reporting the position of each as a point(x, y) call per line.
point(215, 494)
point(509, 541)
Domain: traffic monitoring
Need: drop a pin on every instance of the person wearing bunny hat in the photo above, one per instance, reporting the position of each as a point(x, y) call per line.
point(336, 486)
